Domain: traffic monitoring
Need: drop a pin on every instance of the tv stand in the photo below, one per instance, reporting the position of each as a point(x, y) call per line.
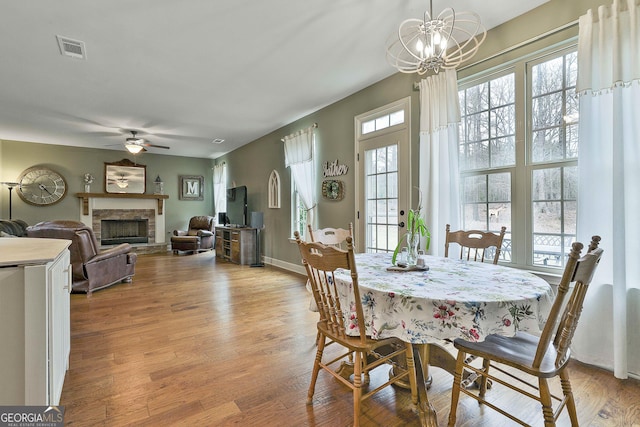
point(236, 244)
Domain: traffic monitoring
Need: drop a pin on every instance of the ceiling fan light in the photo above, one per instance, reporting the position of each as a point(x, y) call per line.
point(133, 148)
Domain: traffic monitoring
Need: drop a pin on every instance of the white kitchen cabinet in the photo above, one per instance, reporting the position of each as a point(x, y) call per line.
point(35, 335)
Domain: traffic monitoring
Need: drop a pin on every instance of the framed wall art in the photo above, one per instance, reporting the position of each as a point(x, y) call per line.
point(191, 187)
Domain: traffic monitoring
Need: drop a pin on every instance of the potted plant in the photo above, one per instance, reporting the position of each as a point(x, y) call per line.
point(416, 228)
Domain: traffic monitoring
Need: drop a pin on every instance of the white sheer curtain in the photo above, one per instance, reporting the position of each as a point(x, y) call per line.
point(609, 195)
point(439, 181)
point(298, 156)
point(220, 188)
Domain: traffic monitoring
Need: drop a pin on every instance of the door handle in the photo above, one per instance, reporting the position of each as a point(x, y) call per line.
point(401, 224)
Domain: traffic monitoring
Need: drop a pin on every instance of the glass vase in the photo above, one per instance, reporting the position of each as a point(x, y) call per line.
point(413, 241)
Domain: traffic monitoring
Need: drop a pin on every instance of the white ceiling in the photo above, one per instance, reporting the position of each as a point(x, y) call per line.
point(183, 73)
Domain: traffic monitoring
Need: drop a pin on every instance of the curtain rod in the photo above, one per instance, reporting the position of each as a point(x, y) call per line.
point(315, 125)
point(524, 43)
point(416, 85)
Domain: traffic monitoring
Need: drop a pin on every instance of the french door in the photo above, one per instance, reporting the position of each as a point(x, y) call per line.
point(383, 176)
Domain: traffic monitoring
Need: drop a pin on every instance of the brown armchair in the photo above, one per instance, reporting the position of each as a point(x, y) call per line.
point(92, 269)
point(199, 237)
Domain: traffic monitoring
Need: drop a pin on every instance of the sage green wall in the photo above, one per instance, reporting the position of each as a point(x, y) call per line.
point(252, 164)
point(74, 162)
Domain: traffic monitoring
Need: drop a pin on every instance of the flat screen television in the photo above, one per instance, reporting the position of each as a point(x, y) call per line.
point(237, 206)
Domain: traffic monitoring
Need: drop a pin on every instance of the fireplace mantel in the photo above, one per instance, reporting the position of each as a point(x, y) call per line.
point(86, 196)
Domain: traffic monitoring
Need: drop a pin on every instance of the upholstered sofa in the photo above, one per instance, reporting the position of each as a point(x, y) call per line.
point(13, 228)
point(92, 269)
point(199, 237)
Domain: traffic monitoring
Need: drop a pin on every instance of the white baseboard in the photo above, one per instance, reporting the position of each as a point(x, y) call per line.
point(295, 268)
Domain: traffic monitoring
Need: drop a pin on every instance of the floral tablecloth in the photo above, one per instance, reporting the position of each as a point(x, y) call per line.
point(452, 299)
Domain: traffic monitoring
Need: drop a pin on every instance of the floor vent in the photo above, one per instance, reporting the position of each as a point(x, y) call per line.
point(72, 48)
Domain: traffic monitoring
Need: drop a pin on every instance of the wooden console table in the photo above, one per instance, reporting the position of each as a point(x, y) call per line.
point(86, 196)
point(236, 244)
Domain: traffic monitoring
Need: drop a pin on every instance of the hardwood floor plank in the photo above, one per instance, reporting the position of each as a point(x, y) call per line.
point(197, 341)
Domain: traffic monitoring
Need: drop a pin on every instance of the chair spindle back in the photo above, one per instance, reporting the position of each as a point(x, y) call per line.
point(579, 270)
point(321, 261)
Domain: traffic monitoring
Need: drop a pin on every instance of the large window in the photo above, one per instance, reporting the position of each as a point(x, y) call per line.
point(518, 157)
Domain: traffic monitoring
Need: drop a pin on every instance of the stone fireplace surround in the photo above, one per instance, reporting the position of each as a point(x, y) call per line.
point(95, 207)
point(123, 214)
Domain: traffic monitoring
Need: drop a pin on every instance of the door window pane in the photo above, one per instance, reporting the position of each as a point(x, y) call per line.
point(382, 198)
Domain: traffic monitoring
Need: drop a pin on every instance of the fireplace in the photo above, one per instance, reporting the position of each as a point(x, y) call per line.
point(143, 214)
point(116, 231)
point(115, 226)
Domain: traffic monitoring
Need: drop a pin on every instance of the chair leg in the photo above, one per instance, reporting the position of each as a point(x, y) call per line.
point(486, 364)
point(545, 399)
point(571, 404)
point(357, 387)
point(455, 390)
point(411, 366)
point(316, 368)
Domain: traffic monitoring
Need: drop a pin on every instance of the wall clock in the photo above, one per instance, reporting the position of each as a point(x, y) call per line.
point(41, 186)
point(333, 189)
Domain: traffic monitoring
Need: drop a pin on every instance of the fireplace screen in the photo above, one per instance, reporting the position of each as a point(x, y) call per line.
point(116, 231)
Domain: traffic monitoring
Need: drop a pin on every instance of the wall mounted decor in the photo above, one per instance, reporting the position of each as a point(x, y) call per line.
point(274, 190)
point(333, 189)
point(40, 186)
point(191, 187)
point(125, 176)
point(330, 169)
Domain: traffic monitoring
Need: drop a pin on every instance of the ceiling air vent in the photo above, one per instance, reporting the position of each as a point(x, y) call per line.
point(218, 141)
point(70, 47)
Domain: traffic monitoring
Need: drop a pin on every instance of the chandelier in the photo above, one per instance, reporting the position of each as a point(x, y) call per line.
point(435, 43)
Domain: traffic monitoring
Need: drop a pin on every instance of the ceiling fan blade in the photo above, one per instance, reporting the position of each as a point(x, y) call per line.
point(156, 146)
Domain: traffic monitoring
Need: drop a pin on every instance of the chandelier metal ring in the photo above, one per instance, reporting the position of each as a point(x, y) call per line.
point(443, 42)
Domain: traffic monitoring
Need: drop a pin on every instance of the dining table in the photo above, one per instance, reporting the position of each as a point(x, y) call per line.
point(442, 300)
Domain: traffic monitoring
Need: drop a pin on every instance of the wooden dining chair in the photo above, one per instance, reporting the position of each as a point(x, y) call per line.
point(475, 244)
point(527, 357)
point(336, 237)
point(337, 315)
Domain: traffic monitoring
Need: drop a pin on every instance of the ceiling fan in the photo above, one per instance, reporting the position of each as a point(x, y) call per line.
point(135, 145)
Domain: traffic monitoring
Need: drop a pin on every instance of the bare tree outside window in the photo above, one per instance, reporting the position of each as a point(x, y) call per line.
point(554, 137)
point(492, 167)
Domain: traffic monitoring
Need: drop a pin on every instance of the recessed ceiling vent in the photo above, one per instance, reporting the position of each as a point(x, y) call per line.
point(70, 47)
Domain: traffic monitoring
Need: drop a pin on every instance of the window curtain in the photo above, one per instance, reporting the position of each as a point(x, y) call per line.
point(298, 155)
point(220, 188)
point(439, 180)
point(609, 199)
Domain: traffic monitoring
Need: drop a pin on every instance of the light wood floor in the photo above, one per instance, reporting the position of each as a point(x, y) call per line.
point(195, 341)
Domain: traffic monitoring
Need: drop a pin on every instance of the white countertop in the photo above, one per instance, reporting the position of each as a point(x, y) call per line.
point(26, 250)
